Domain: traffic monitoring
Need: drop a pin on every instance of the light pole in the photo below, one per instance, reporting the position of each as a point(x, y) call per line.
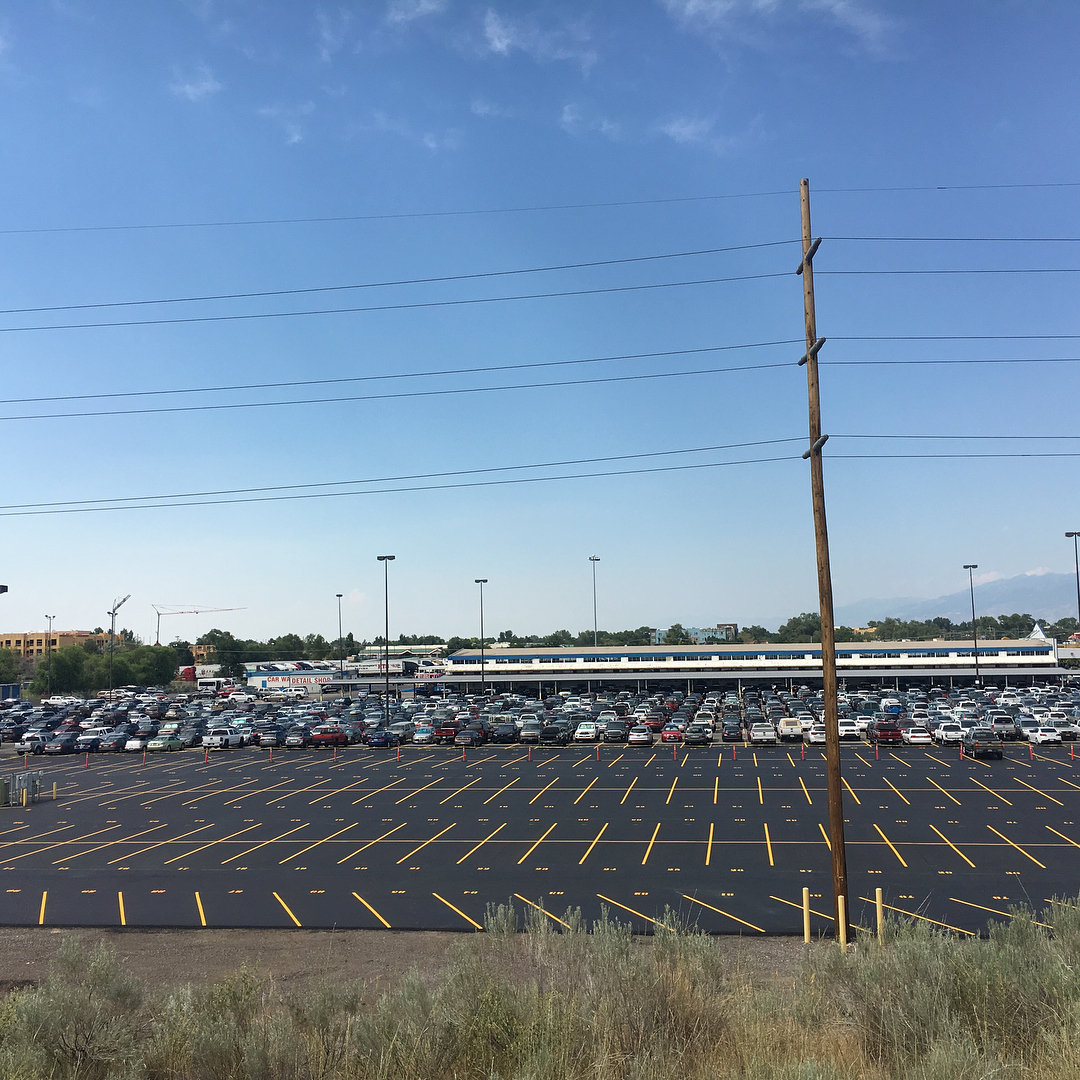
point(974, 625)
point(340, 643)
point(386, 560)
point(48, 656)
point(481, 581)
point(1076, 559)
point(594, 559)
point(117, 605)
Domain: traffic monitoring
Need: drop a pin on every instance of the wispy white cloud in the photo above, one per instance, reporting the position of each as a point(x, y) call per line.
point(197, 85)
point(333, 28)
point(504, 35)
point(481, 107)
point(1038, 571)
point(700, 132)
point(435, 141)
point(985, 579)
point(576, 122)
point(406, 11)
point(743, 20)
point(289, 118)
point(686, 129)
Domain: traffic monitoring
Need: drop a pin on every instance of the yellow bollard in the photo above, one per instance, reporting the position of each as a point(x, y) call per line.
point(54, 789)
point(841, 906)
point(806, 916)
point(24, 796)
point(880, 913)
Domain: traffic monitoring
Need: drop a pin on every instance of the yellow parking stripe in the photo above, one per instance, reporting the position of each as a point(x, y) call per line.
point(1017, 846)
point(708, 849)
point(768, 845)
point(202, 914)
point(371, 842)
point(672, 791)
point(586, 791)
point(160, 843)
point(828, 842)
point(501, 790)
point(123, 917)
point(915, 915)
point(991, 790)
point(852, 793)
point(953, 846)
point(1038, 792)
point(425, 844)
point(891, 848)
point(937, 759)
point(264, 843)
point(543, 911)
point(628, 790)
point(372, 910)
point(1063, 837)
point(481, 844)
point(820, 914)
point(371, 794)
point(542, 790)
point(411, 795)
point(458, 910)
point(996, 911)
point(760, 796)
point(651, 842)
point(195, 851)
point(805, 792)
point(282, 862)
point(288, 911)
point(896, 789)
point(59, 843)
point(726, 914)
point(348, 787)
point(593, 844)
point(608, 900)
point(945, 793)
point(536, 845)
point(41, 913)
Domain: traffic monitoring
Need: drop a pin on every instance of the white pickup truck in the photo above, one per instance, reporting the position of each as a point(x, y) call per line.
point(222, 738)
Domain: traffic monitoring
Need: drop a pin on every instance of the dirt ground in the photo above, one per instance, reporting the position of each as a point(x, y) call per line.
point(298, 959)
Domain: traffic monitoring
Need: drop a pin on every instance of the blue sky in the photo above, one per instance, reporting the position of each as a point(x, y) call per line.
point(388, 120)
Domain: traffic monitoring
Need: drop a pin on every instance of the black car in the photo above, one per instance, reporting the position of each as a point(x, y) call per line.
point(115, 741)
point(62, 744)
point(616, 731)
point(505, 733)
point(554, 735)
point(983, 741)
point(190, 736)
point(468, 737)
point(698, 735)
point(731, 732)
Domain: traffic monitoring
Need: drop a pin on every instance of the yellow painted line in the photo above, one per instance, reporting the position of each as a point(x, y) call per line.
point(211, 844)
point(862, 759)
point(708, 849)
point(544, 762)
point(672, 791)
point(650, 761)
point(254, 791)
point(619, 758)
point(996, 911)
point(851, 792)
point(628, 790)
point(481, 844)
point(720, 757)
point(1063, 837)
point(27, 839)
point(953, 846)
point(937, 759)
point(593, 844)
point(288, 911)
point(586, 791)
point(372, 794)
point(1038, 792)
point(190, 802)
point(760, 795)
point(1017, 846)
point(755, 759)
point(160, 843)
point(502, 789)
point(944, 792)
point(897, 790)
point(202, 914)
point(820, 914)
point(41, 913)
point(1056, 761)
point(715, 790)
point(587, 757)
point(59, 843)
point(726, 914)
point(370, 842)
point(473, 922)
point(514, 761)
point(1069, 782)
point(828, 842)
point(907, 765)
point(425, 843)
point(542, 790)
point(891, 848)
point(398, 802)
point(651, 842)
point(536, 845)
point(372, 910)
point(264, 843)
point(123, 917)
point(914, 915)
point(541, 909)
point(805, 792)
point(608, 900)
point(282, 862)
point(791, 759)
point(991, 790)
point(768, 845)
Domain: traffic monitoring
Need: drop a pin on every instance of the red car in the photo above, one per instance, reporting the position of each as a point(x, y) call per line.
point(671, 733)
point(329, 736)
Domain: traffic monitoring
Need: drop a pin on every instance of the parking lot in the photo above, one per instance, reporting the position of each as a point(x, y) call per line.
point(726, 836)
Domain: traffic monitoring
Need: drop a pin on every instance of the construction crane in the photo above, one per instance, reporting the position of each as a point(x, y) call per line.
point(165, 609)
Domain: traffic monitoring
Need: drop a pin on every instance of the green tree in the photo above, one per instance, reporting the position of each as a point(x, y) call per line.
point(9, 666)
point(752, 635)
point(286, 647)
point(184, 655)
point(676, 635)
point(228, 652)
point(804, 627)
point(316, 647)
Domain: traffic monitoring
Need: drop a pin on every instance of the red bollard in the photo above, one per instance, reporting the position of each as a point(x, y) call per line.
point(144, 757)
point(206, 754)
point(597, 751)
point(87, 765)
point(530, 751)
point(463, 753)
point(804, 751)
point(398, 754)
point(271, 755)
point(1031, 751)
point(1072, 756)
point(877, 752)
point(24, 761)
point(961, 751)
point(734, 756)
point(674, 751)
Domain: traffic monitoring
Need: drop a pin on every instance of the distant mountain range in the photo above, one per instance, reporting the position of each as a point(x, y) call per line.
point(1046, 596)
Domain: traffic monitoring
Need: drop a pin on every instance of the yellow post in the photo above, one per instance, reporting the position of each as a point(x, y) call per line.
point(806, 916)
point(24, 796)
point(878, 903)
point(842, 905)
point(54, 789)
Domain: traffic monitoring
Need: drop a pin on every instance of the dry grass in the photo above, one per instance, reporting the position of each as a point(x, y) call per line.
point(584, 1002)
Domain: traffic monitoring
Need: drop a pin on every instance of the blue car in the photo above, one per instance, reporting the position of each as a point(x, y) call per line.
point(380, 737)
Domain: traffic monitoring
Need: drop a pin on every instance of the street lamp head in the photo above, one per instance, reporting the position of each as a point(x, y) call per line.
point(339, 595)
point(1068, 535)
point(971, 566)
point(594, 558)
point(480, 580)
point(385, 558)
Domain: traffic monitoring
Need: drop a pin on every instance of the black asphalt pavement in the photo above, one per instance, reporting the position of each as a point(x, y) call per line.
point(727, 837)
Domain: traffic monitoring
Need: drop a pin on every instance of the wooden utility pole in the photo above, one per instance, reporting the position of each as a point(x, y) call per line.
point(825, 596)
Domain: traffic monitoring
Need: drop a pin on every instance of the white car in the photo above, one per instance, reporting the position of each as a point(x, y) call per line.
point(816, 734)
point(949, 732)
point(425, 733)
point(917, 736)
point(1043, 735)
point(586, 731)
point(763, 733)
point(639, 735)
point(848, 729)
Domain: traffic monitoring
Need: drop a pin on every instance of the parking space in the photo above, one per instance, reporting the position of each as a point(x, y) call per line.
point(725, 836)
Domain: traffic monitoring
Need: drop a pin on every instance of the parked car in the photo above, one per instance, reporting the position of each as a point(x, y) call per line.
point(165, 741)
point(983, 742)
point(468, 737)
point(816, 734)
point(698, 735)
point(222, 738)
point(32, 742)
point(136, 742)
point(62, 744)
point(382, 738)
point(884, 731)
point(505, 733)
point(763, 733)
point(586, 731)
point(329, 735)
point(1035, 735)
point(639, 735)
point(917, 736)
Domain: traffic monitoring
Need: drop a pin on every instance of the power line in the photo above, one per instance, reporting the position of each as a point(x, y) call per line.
point(391, 307)
point(420, 214)
point(393, 283)
point(960, 239)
